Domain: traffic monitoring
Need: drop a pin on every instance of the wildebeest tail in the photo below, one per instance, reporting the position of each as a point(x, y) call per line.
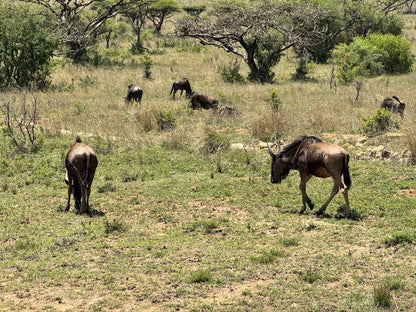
point(85, 177)
point(346, 172)
point(171, 90)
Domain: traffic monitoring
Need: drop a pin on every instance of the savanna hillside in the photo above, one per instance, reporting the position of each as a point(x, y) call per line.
point(185, 218)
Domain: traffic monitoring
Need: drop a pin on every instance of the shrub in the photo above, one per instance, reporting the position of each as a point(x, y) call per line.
point(231, 73)
point(147, 63)
point(274, 100)
point(396, 54)
point(373, 55)
point(377, 123)
point(165, 120)
point(302, 69)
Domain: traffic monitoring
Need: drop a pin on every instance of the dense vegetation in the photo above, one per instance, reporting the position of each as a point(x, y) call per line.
point(183, 215)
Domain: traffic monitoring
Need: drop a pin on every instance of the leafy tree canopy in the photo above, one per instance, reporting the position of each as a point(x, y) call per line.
point(25, 48)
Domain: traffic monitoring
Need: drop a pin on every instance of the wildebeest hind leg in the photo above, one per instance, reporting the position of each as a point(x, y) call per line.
point(345, 193)
point(334, 192)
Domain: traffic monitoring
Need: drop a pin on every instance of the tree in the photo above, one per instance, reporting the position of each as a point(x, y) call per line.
point(257, 31)
point(341, 21)
point(194, 10)
point(160, 10)
point(25, 48)
point(80, 21)
point(137, 19)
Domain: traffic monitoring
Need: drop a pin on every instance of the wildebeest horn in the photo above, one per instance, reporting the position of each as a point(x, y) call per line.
point(270, 151)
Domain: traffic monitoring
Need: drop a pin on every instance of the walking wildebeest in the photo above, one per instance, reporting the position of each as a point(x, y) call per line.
point(203, 101)
point(134, 93)
point(80, 162)
point(181, 84)
point(310, 156)
point(394, 105)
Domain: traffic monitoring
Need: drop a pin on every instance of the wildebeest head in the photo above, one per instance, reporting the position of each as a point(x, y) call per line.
point(280, 167)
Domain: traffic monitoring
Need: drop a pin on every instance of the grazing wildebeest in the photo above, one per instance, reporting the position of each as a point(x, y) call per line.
point(310, 156)
point(181, 84)
point(394, 105)
point(134, 93)
point(203, 101)
point(80, 162)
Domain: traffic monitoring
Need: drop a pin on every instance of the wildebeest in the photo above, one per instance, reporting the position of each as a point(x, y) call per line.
point(181, 84)
point(394, 105)
point(80, 162)
point(134, 93)
point(310, 156)
point(203, 101)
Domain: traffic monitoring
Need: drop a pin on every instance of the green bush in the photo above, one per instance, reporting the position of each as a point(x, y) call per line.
point(396, 54)
point(377, 123)
point(165, 120)
point(231, 73)
point(302, 69)
point(373, 55)
point(274, 100)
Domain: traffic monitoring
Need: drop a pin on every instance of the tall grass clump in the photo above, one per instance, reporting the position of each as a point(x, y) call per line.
point(382, 294)
point(410, 135)
point(400, 238)
point(200, 276)
point(213, 141)
point(268, 127)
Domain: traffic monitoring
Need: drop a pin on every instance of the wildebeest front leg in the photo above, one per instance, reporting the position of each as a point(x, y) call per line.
point(305, 198)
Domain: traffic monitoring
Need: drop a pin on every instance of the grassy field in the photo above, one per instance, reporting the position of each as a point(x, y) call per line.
point(174, 227)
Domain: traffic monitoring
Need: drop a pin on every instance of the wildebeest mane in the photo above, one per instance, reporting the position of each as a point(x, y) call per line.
point(292, 149)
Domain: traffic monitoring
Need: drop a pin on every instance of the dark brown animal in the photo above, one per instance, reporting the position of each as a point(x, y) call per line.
point(312, 157)
point(394, 105)
point(134, 93)
point(203, 101)
point(181, 84)
point(80, 162)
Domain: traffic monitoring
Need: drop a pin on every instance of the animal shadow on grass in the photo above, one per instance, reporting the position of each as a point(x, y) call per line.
point(94, 213)
point(342, 211)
